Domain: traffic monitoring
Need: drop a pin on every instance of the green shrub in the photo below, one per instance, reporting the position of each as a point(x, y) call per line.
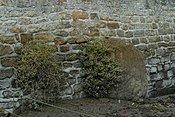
point(38, 72)
point(102, 71)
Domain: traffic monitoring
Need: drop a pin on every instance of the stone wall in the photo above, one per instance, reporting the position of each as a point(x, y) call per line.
point(71, 23)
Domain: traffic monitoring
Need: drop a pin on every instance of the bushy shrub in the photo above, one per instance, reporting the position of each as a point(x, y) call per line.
point(102, 71)
point(38, 72)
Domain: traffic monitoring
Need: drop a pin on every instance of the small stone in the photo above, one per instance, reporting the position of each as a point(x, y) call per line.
point(74, 32)
point(94, 16)
point(60, 41)
point(94, 32)
point(8, 62)
point(4, 50)
point(77, 88)
point(71, 80)
point(25, 38)
point(60, 57)
point(25, 21)
point(120, 33)
point(101, 25)
point(72, 56)
point(78, 64)
point(153, 70)
point(80, 15)
point(7, 39)
point(67, 65)
point(6, 73)
point(4, 84)
point(129, 34)
point(139, 33)
point(79, 24)
point(64, 48)
point(43, 36)
point(61, 33)
point(112, 25)
point(17, 30)
point(135, 41)
point(153, 61)
point(30, 13)
point(68, 91)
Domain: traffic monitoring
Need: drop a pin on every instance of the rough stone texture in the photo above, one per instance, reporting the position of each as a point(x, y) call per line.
point(64, 22)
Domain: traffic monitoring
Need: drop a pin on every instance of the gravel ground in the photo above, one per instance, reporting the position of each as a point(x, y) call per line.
point(160, 107)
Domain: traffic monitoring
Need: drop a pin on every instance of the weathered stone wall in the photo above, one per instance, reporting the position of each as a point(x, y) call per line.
point(71, 23)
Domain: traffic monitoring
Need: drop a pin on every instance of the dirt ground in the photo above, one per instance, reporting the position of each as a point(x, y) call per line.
point(88, 107)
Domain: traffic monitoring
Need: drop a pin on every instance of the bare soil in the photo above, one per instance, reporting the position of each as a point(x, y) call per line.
point(105, 108)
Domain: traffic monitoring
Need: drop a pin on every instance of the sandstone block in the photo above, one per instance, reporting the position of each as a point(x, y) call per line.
point(17, 30)
point(112, 25)
point(7, 39)
point(101, 25)
point(26, 37)
point(120, 33)
point(43, 36)
point(5, 50)
point(60, 41)
point(80, 15)
point(25, 21)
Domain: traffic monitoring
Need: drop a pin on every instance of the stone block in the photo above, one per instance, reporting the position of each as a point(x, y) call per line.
point(65, 16)
point(172, 57)
point(77, 88)
point(14, 13)
point(25, 21)
point(72, 56)
point(74, 32)
point(154, 26)
point(24, 38)
point(94, 32)
point(104, 17)
point(61, 33)
point(5, 50)
point(78, 24)
point(154, 61)
point(150, 32)
point(64, 48)
point(153, 70)
point(4, 84)
point(60, 57)
point(71, 80)
point(80, 15)
point(6, 73)
point(17, 30)
point(67, 24)
point(78, 64)
point(135, 41)
point(139, 33)
point(68, 91)
point(120, 33)
point(112, 25)
point(43, 36)
point(94, 16)
point(101, 25)
point(129, 34)
point(30, 14)
point(8, 62)
point(162, 31)
point(71, 40)
point(160, 52)
point(7, 39)
point(166, 38)
point(60, 41)
point(67, 65)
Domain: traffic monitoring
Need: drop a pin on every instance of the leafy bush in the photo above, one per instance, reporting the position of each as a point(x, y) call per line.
point(37, 70)
point(102, 71)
